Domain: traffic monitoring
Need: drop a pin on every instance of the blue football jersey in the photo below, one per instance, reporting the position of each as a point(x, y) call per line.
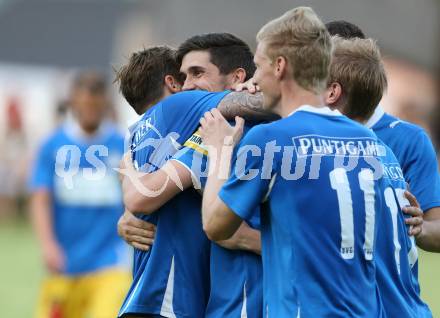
point(396, 251)
point(172, 278)
point(320, 195)
point(236, 275)
point(86, 195)
point(415, 153)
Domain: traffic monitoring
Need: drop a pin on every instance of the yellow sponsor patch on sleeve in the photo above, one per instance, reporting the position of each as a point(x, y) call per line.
point(195, 142)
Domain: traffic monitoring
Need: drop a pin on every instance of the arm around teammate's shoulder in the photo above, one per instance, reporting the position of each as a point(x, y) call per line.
point(147, 192)
point(246, 105)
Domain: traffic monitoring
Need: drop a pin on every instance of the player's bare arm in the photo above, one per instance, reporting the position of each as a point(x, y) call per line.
point(141, 195)
point(246, 105)
point(219, 222)
point(146, 192)
point(140, 234)
point(42, 221)
point(245, 238)
point(425, 227)
point(429, 237)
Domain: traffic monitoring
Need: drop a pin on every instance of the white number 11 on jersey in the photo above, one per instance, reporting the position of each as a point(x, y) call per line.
point(339, 183)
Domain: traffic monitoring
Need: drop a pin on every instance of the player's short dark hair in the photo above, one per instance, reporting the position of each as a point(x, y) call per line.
point(344, 29)
point(141, 80)
point(227, 52)
point(91, 81)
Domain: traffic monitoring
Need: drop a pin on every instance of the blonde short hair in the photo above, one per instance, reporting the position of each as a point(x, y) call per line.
point(302, 39)
point(357, 66)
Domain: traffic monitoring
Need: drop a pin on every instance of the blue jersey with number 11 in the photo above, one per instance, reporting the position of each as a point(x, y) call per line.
point(320, 195)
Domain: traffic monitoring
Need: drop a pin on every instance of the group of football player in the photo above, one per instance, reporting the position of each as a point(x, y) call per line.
point(317, 184)
point(273, 185)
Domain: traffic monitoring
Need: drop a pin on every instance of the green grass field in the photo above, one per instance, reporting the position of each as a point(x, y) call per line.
point(21, 272)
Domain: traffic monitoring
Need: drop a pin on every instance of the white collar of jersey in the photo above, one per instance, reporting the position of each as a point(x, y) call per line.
point(377, 115)
point(325, 110)
point(74, 130)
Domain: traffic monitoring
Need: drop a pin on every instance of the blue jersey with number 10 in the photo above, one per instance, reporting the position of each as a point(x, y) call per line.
point(319, 223)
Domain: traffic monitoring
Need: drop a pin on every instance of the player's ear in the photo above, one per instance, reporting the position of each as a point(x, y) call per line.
point(333, 94)
point(173, 85)
point(238, 76)
point(280, 65)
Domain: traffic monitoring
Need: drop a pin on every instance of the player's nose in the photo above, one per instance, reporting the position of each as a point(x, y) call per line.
point(188, 85)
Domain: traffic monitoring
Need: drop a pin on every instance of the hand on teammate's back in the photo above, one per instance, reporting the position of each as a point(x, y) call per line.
point(415, 222)
point(136, 232)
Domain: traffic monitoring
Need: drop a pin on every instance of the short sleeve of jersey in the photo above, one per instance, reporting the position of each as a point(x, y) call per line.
point(41, 176)
point(194, 156)
point(422, 172)
point(188, 107)
point(248, 185)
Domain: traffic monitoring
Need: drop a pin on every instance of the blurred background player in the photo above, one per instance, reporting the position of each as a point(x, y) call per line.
point(14, 161)
point(73, 185)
